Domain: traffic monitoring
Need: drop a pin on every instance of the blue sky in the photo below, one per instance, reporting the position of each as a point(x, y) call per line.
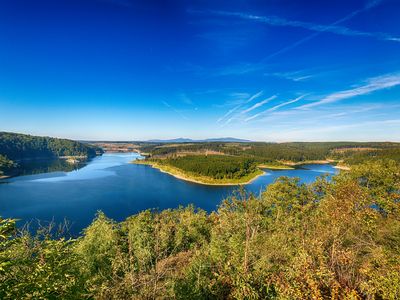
point(261, 70)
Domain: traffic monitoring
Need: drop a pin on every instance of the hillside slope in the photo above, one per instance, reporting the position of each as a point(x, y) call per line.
point(15, 147)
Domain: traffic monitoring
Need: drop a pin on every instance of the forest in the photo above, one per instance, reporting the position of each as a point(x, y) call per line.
point(5, 165)
point(358, 157)
point(20, 146)
point(214, 166)
point(230, 163)
point(333, 239)
point(272, 152)
point(15, 147)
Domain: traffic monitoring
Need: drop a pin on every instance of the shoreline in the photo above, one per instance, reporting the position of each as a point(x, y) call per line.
point(186, 178)
point(309, 162)
point(345, 168)
point(320, 162)
point(272, 167)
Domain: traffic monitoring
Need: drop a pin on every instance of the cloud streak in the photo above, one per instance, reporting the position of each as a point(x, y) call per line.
point(316, 132)
point(369, 5)
point(331, 28)
point(231, 111)
point(274, 108)
point(257, 105)
point(285, 103)
point(371, 85)
point(317, 28)
point(295, 76)
point(166, 104)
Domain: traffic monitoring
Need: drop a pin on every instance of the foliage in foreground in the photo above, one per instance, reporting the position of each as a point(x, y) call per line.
point(337, 240)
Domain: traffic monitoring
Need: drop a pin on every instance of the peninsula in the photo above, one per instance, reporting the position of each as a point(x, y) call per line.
point(244, 178)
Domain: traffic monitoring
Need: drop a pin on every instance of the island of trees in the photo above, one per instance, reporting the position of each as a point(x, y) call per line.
point(15, 148)
point(333, 239)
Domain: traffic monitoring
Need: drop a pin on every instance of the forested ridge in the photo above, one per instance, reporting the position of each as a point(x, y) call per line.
point(19, 146)
point(337, 239)
point(15, 146)
point(272, 152)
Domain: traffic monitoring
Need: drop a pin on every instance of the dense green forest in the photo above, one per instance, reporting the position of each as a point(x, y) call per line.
point(337, 239)
point(214, 166)
point(5, 164)
point(19, 146)
point(15, 147)
point(351, 152)
point(300, 151)
point(358, 157)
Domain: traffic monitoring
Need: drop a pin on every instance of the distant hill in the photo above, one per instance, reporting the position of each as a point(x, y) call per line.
point(17, 146)
point(178, 140)
point(227, 140)
point(186, 140)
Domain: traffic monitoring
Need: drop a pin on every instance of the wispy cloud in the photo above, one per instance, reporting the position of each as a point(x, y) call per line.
point(185, 99)
point(282, 22)
point(359, 109)
point(316, 28)
point(274, 108)
point(166, 104)
point(232, 99)
point(228, 113)
point(233, 113)
point(240, 95)
point(294, 75)
point(322, 116)
point(236, 108)
point(253, 117)
point(240, 69)
point(258, 104)
point(315, 133)
point(369, 5)
point(254, 97)
point(285, 103)
point(371, 85)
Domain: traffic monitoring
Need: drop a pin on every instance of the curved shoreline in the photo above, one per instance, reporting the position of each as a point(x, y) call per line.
point(345, 168)
point(275, 167)
point(186, 178)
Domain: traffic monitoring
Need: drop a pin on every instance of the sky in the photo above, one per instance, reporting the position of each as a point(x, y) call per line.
point(271, 70)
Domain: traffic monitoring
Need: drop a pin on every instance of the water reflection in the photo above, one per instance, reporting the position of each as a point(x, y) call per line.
point(38, 166)
point(98, 168)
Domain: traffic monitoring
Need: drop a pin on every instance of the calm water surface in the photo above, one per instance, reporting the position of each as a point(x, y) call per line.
point(111, 184)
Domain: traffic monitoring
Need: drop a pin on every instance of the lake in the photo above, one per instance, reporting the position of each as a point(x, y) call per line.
point(111, 184)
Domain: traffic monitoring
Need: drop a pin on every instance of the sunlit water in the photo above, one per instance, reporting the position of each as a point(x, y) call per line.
point(111, 184)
